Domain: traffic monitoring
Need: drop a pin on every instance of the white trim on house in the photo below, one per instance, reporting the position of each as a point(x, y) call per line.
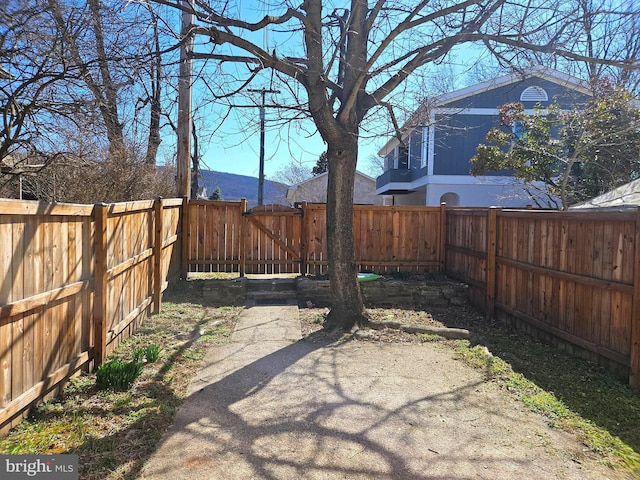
point(424, 155)
point(471, 191)
point(446, 180)
point(478, 111)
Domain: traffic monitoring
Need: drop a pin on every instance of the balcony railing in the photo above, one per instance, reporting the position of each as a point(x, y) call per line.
point(400, 175)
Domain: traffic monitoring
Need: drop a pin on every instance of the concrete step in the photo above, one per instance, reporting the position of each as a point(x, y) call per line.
point(271, 285)
point(271, 291)
point(276, 297)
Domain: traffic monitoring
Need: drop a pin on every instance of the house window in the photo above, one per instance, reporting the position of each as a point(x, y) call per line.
point(534, 94)
point(415, 149)
point(518, 129)
point(411, 155)
point(389, 160)
point(402, 158)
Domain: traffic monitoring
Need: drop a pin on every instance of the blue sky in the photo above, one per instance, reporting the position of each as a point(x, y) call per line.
point(236, 148)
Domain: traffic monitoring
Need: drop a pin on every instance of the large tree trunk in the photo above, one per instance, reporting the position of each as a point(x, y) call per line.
point(347, 309)
point(340, 131)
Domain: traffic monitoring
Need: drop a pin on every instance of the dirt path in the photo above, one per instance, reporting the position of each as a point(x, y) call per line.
point(273, 409)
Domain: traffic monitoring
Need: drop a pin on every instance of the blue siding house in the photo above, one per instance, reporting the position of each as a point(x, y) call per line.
point(432, 163)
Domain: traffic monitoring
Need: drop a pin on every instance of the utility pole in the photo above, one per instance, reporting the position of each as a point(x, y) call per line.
point(184, 104)
point(263, 91)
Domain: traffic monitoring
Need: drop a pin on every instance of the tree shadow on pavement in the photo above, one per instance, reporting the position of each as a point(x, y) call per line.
point(316, 409)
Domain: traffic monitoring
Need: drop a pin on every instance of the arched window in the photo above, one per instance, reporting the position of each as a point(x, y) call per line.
point(534, 94)
point(451, 199)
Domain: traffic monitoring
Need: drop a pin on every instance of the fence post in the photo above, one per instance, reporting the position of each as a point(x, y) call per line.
point(157, 255)
point(100, 212)
point(443, 237)
point(634, 377)
point(303, 239)
point(241, 235)
point(186, 237)
point(490, 274)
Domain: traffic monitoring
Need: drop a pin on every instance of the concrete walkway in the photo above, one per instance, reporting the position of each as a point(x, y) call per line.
point(268, 324)
point(269, 407)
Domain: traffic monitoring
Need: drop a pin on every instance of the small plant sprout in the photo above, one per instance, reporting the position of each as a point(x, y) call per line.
point(117, 375)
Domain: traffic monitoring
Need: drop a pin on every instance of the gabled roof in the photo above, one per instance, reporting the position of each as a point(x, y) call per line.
point(545, 73)
point(316, 177)
point(538, 71)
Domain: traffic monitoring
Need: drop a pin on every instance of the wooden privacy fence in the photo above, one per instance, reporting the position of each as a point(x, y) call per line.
point(74, 281)
point(574, 275)
point(226, 237)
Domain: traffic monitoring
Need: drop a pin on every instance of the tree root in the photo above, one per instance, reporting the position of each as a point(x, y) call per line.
point(334, 322)
point(445, 332)
point(333, 325)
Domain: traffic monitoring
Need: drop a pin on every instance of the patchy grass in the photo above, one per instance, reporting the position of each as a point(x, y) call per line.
point(114, 432)
point(573, 394)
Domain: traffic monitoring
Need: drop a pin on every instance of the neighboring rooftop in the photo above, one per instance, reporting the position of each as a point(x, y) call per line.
point(627, 195)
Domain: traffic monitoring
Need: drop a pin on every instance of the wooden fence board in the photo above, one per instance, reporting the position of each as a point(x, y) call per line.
point(634, 341)
point(49, 321)
point(17, 291)
point(596, 304)
point(628, 253)
point(73, 275)
point(570, 273)
point(214, 240)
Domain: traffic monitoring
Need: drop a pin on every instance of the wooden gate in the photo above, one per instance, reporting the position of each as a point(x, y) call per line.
point(273, 240)
point(226, 237)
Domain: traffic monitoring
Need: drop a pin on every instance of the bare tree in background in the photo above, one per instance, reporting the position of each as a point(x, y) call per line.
point(598, 33)
point(293, 173)
point(30, 72)
point(80, 79)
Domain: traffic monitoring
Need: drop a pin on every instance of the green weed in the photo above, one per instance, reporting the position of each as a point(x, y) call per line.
point(561, 411)
point(114, 432)
point(150, 353)
point(117, 375)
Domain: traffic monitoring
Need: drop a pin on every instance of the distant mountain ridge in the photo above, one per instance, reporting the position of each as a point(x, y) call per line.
point(235, 187)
